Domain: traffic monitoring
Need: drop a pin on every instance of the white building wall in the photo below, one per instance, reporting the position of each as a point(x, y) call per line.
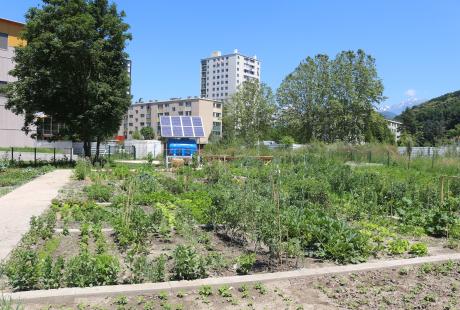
point(227, 72)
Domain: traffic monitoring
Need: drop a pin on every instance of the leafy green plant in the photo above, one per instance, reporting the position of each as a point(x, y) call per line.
point(224, 291)
point(418, 249)
point(82, 169)
point(23, 269)
point(188, 265)
point(245, 262)
point(205, 291)
point(398, 246)
point(99, 192)
point(260, 288)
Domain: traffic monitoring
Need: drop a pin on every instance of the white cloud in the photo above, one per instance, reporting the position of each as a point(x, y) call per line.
point(410, 93)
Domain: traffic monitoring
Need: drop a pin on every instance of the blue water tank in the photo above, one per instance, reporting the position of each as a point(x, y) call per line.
point(181, 147)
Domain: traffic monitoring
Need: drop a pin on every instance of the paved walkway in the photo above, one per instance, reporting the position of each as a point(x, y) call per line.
point(75, 293)
point(18, 206)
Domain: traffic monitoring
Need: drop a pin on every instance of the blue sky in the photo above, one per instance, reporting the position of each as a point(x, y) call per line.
point(416, 42)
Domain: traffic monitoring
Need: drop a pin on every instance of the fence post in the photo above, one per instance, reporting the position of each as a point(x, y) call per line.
point(54, 156)
point(369, 156)
point(12, 154)
point(388, 158)
point(71, 154)
point(35, 156)
point(134, 151)
point(432, 160)
point(109, 151)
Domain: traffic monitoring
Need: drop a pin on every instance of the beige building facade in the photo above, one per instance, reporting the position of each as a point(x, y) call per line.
point(10, 124)
point(147, 114)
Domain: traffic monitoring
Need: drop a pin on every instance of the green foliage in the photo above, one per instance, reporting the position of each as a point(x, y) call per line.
point(418, 249)
point(245, 263)
point(433, 122)
point(188, 264)
point(80, 45)
point(248, 114)
point(331, 99)
point(147, 133)
point(82, 169)
point(99, 192)
point(136, 135)
point(91, 270)
point(287, 140)
point(398, 246)
point(23, 269)
point(205, 291)
point(224, 291)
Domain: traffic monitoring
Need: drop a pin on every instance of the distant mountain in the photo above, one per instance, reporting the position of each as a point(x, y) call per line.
point(397, 108)
point(430, 121)
point(388, 114)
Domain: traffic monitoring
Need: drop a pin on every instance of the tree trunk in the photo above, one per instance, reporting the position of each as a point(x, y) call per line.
point(87, 148)
point(98, 143)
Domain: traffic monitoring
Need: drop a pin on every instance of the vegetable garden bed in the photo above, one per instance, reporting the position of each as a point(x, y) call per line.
point(123, 226)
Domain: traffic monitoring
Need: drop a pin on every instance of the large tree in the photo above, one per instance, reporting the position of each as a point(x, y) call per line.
point(331, 99)
point(248, 115)
point(73, 68)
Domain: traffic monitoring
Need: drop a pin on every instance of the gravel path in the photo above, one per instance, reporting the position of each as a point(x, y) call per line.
point(18, 206)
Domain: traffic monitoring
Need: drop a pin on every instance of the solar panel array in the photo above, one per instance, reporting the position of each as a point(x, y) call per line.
point(181, 127)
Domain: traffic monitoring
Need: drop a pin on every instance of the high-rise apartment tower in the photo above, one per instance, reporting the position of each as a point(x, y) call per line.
point(222, 75)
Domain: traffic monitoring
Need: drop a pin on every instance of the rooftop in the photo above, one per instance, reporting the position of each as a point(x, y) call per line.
point(11, 21)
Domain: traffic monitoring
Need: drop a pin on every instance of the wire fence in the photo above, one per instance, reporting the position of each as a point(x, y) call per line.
point(38, 156)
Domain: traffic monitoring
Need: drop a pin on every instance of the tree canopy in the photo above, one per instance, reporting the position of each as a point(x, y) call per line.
point(73, 68)
point(433, 122)
point(248, 115)
point(331, 99)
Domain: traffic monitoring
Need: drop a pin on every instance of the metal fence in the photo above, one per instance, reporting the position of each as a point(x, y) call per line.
point(36, 155)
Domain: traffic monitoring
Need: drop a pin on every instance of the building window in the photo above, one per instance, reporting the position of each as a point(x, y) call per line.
point(3, 41)
point(216, 114)
point(181, 113)
point(142, 115)
point(131, 124)
point(130, 116)
point(188, 104)
point(142, 123)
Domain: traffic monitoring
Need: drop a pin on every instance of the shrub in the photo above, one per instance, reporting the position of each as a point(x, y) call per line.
point(23, 269)
point(245, 263)
point(188, 265)
point(99, 192)
point(398, 246)
point(82, 169)
point(418, 249)
point(88, 270)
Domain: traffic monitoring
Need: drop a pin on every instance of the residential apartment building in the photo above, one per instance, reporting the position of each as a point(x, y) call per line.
point(395, 127)
point(10, 123)
point(222, 75)
point(147, 114)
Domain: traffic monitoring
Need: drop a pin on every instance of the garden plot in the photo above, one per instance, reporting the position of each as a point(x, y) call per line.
point(121, 226)
point(12, 177)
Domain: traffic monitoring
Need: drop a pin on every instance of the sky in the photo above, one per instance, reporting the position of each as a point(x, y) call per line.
point(416, 43)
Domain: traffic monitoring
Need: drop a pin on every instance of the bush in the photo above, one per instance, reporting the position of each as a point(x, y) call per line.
point(188, 265)
point(23, 269)
point(99, 192)
point(88, 270)
point(82, 169)
point(418, 249)
point(245, 263)
point(398, 246)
